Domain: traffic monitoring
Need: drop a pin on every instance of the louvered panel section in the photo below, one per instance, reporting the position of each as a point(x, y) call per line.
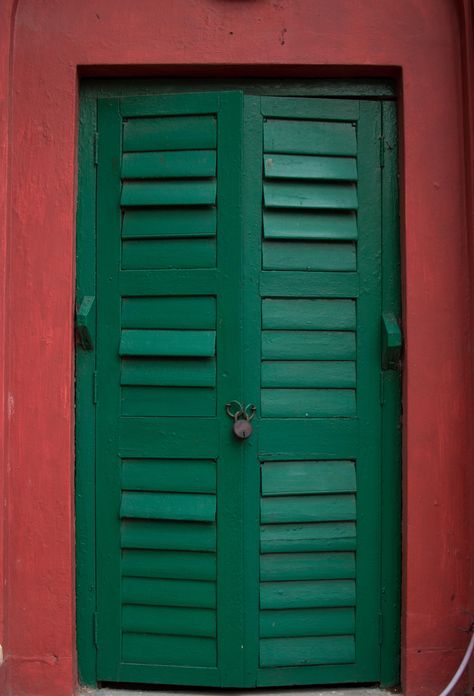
point(168, 565)
point(169, 192)
point(310, 166)
point(307, 566)
point(168, 346)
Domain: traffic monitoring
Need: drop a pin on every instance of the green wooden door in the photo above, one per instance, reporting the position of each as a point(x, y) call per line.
point(239, 257)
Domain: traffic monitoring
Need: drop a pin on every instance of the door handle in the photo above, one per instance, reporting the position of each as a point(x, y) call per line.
point(392, 342)
point(84, 318)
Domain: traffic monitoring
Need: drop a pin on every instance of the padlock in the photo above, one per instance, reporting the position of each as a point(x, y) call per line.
point(242, 428)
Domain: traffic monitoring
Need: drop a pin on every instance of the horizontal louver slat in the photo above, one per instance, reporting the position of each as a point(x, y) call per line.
point(307, 566)
point(169, 165)
point(308, 345)
point(307, 374)
point(290, 478)
point(170, 133)
point(299, 594)
point(186, 312)
point(308, 403)
point(178, 593)
point(169, 222)
point(308, 508)
point(169, 650)
point(308, 224)
point(168, 506)
point(169, 193)
point(297, 194)
point(304, 284)
point(309, 137)
point(306, 622)
point(293, 538)
point(172, 536)
point(169, 621)
point(168, 253)
point(168, 343)
point(169, 564)
point(168, 372)
point(309, 256)
point(164, 438)
point(308, 314)
point(172, 475)
point(307, 167)
point(281, 652)
point(168, 401)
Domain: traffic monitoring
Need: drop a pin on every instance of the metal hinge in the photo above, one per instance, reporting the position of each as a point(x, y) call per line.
point(380, 629)
point(95, 628)
point(382, 383)
point(96, 148)
point(382, 151)
point(94, 387)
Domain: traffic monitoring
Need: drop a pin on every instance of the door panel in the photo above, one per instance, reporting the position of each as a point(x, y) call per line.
point(238, 259)
point(164, 375)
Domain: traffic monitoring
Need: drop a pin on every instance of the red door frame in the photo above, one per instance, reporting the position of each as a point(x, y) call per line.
point(43, 48)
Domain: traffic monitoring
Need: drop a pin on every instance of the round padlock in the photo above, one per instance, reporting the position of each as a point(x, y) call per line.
point(242, 429)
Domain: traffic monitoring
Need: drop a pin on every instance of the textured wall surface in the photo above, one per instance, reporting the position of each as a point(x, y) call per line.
point(44, 45)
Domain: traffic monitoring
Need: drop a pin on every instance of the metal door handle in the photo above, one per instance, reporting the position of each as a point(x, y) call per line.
point(84, 322)
point(392, 342)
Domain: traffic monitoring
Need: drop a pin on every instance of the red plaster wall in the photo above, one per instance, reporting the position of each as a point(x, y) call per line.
point(42, 43)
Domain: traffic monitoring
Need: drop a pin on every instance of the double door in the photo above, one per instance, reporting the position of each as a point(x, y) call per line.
point(240, 269)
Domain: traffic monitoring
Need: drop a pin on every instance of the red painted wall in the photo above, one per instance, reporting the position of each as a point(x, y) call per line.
point(44, 44)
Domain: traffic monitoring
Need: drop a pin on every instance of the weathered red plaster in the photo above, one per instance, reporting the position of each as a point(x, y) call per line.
point(39, 60)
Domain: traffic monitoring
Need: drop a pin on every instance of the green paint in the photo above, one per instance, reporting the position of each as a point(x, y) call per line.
point(211, 561)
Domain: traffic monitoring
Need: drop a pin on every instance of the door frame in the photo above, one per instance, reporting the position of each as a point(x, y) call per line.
point(383, 91)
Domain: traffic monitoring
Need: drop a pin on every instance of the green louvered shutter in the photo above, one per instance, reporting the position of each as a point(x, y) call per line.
point(239, 257)
point(320, 429)
point(166, 220)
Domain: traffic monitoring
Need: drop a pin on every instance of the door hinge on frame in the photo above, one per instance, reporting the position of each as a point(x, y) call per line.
point(94, 387)
point(382, 151)
point(382, 384)
point(96, 148)
point(380, 629)
point(95, 628)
